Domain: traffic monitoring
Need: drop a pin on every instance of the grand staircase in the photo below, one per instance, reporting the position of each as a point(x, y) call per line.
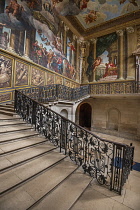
point(33, 174)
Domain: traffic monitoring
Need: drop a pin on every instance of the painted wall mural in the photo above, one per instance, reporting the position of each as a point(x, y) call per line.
point(105, 65)
point(38, 77)
point(50, 79)
point(58, 80)
point(5, 71)
point(33, 30)
point(21, 74)
point(5, 97)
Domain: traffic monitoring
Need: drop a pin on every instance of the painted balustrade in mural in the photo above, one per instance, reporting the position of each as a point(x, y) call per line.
point(109, 162)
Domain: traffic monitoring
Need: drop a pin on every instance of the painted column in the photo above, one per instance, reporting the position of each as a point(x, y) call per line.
point(131, 40)
point(94, 56)
point(27, 45)
point(82, 61)
point(120, 33)
point(78, 61)
point(2, 6)
point(12, 46)
point(65, 40)
point(21, 42)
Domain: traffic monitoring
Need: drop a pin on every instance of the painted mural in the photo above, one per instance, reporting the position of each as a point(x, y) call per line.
point(5, 72)
point(21, 74)
point(31, 28)
point(50, 79)
point(105, 65)
point(58, 80)
point(38, 77)
point(93, 12)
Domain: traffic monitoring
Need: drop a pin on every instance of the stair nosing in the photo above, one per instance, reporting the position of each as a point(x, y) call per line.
point(30, 178)
point(25, 161)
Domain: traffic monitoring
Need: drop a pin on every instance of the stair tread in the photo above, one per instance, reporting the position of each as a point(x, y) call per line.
point(17, 145)
point(4, 123)
point(36, 188)
point(9, 128)
point(20, 173)
point(68, 191)
point(20, 134)
point(23, 155)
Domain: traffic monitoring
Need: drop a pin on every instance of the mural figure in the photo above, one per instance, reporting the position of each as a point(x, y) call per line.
point(71, 46)
point(21, 74)
point(5, 72)
point(91, 17)
point(15, 9)
point(96, 63)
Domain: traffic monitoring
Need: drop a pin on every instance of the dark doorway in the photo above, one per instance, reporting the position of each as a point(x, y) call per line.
point(85, 115)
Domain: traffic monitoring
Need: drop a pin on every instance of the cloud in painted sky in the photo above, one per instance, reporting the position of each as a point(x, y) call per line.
point(109, 8)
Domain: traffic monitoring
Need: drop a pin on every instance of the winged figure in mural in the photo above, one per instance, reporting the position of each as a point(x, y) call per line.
point(134, 2)
point(91, 17)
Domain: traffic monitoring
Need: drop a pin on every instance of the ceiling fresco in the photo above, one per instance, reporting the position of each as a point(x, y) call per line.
point(94, 12)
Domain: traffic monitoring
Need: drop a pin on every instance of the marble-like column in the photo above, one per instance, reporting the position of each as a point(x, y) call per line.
point(131, 40)
point(73, 52)
point(120, 34)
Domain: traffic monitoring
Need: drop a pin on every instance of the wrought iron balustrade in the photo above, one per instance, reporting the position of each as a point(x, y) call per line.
point(55, 92)
point(124, 87)
point(109, 162)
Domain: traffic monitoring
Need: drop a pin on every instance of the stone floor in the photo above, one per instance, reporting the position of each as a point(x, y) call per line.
point(100, 198)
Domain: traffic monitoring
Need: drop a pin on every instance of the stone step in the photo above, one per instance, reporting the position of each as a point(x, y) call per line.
point(21, 174)
point(22, 156)
point(11, 122)
point(7, 113)
point(65, 195)
point(20, 145)
point(14, 128)
point(17, 136)
point(27, 194)
point(5, 108)
point(7, 105)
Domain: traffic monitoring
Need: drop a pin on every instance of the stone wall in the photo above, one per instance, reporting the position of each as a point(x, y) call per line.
point(119, 117)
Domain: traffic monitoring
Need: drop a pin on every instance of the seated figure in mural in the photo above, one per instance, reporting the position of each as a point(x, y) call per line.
point(111, 69)
point(96, 63)
point(14, 8)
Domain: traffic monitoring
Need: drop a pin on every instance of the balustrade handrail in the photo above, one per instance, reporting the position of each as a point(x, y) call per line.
point(105, 160)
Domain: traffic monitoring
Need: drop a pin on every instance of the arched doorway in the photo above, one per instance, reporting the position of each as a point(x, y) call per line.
point(85, 115)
